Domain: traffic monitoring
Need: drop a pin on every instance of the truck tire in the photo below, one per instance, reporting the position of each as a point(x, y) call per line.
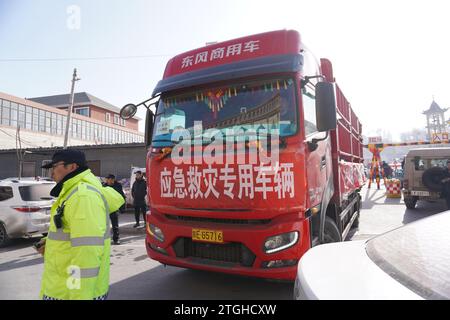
point(432, 178)
point(4, 239)
point(356, 222)
point(331, 231)
point(358, 210)
point(410, 202)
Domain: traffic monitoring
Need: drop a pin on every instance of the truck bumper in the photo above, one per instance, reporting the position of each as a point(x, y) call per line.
point(242, 251)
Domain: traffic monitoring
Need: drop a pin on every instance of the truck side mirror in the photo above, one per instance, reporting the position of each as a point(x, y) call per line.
point(149, 122)
point(128, 111)
point(325, 106)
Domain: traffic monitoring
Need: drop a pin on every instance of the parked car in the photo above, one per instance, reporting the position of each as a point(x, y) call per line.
point(410, 262)
point(423, 172)
point(24, 208)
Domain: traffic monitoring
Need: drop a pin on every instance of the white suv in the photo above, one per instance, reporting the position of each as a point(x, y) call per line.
point(24, 208)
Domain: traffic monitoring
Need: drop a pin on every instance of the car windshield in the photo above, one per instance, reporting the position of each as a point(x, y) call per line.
point(270, 104)
point(423, 164)
point(37, 192)
point(417, 255)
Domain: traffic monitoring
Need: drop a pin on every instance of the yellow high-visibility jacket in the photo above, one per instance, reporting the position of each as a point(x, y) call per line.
point(77, 256)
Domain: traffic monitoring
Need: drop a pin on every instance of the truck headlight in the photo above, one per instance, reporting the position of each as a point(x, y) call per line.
point(280, 242)
point(156, 232)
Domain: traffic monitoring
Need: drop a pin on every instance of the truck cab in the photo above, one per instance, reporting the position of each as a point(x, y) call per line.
point(248, 164)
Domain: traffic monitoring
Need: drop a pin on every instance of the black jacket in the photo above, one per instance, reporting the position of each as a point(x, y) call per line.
point(139, 191)
point(118, 187)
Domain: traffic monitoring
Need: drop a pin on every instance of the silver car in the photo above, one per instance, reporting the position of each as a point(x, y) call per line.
point(408, 263)
point(24, 208)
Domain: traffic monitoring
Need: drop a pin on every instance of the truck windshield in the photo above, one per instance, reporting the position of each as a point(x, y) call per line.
point(270, 104)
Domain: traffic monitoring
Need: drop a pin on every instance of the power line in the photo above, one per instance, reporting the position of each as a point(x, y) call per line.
point(82, 58)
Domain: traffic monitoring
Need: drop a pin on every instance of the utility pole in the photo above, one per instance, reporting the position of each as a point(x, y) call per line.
point(69, 110)
point(19, 151)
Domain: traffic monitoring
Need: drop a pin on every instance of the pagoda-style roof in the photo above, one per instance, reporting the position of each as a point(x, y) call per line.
point(434, 108)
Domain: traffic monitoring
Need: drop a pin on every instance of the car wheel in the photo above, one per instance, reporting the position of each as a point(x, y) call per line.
point(4, 239)
point(410, 202)
point(331, 231)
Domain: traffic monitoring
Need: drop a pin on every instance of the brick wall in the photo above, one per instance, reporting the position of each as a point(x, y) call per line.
point(100, 114)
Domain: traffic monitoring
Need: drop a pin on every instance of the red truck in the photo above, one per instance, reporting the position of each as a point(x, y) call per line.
point(254, 156)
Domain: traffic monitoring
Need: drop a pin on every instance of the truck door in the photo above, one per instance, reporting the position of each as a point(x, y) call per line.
point(318, 157)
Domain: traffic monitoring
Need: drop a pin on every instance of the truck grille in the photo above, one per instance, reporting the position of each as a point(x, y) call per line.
point(231, 252)
point(215, 220)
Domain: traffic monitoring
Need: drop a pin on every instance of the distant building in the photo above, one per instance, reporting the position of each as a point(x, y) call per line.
point(42, 122)
point(436, 124)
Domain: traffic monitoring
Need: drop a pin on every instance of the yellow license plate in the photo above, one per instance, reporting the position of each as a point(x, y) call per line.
point(207, 235)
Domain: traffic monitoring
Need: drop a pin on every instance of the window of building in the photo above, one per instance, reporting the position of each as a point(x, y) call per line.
point(6, 109)
point(116, 119)
point(74, 128)
point(35, 119)
point(83, 111)
point(41, 120)
point(21, 116)
point(108, 117)
point(14, 114)
point(83, 130)
point(48, 122)
point(54, 125)
point(28, 118)
point(59, 129)
point(89, 131)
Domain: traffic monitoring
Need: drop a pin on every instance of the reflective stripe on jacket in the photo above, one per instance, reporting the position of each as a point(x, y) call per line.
point(76, 260)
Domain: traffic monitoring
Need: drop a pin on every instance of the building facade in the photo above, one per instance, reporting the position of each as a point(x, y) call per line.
point(26, 123)
point(117, 159)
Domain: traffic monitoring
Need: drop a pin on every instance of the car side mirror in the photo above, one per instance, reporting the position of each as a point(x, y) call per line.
point(326, 118)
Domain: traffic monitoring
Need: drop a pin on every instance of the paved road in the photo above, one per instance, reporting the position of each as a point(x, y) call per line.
point(134, 276)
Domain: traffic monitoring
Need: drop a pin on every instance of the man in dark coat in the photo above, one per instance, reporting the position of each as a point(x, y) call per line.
point(387, 170)
point(139, 191)
point(114, 216)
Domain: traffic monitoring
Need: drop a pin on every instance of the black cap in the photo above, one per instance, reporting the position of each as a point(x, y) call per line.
point(139, 171)
point(110, 176)
point(68, 156)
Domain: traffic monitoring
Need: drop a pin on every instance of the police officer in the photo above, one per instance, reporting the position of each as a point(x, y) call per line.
point(77, 248)
point(111, 182)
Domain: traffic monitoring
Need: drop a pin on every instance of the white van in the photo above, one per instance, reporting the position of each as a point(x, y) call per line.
point(24, 208)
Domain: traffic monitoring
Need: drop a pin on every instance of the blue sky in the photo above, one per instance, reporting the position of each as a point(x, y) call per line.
point(390, 57)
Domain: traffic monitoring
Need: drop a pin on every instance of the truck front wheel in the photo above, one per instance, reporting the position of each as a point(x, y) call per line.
point(410, 202)
point(331, 231)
